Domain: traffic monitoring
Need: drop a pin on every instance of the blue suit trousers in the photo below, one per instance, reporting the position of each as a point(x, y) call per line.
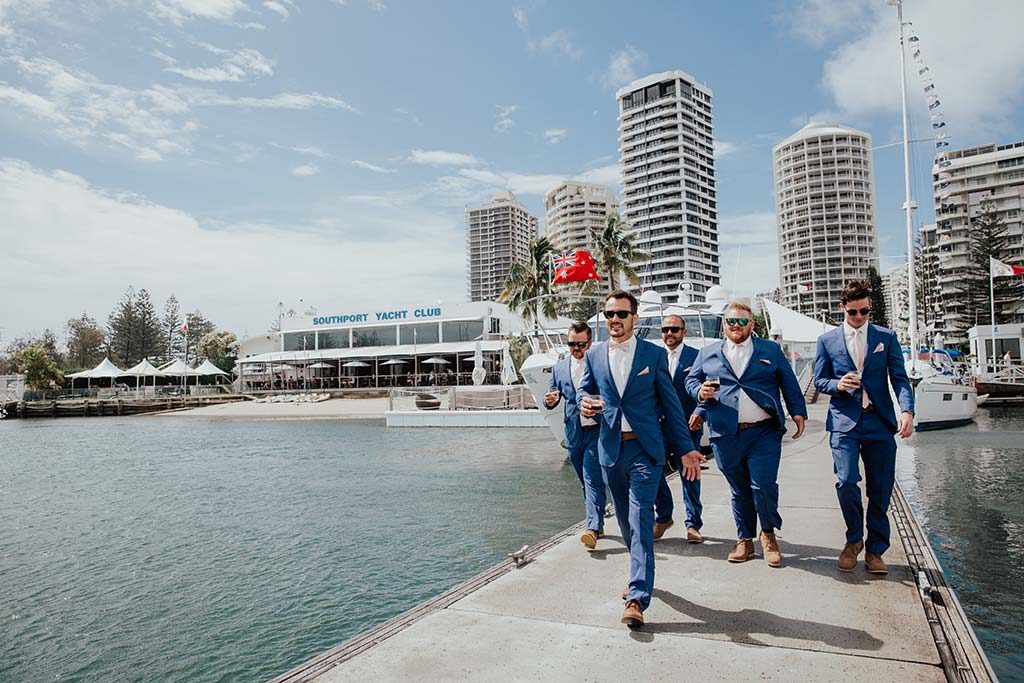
point(750, 462)
point(871, 440)
point(664, 506)
point(588, 469)
point(633, 482)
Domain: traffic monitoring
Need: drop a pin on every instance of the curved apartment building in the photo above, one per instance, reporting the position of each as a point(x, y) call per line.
point(825, 212)
point(574, 211)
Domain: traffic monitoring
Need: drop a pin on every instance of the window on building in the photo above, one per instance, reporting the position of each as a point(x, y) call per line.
point(424, 334)
point(299, 341)
point(373, 336)
point(335, 339)
point(463, 330)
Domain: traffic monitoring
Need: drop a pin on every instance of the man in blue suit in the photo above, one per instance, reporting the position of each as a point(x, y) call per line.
point(580, 432)
point(680, 360)
point(854, 365)
point(626, 386)
point(739, 380)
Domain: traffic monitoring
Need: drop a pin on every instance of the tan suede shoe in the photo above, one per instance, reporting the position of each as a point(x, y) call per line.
point(589, 539)
point(874, 564)
point(661, 527)
point(848, 558)
point(742, 551)
point(770, 547)
point(633, 616)
point(694, 536)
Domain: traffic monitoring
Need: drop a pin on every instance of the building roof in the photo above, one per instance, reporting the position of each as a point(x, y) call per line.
point(658, 78)
point(816, 128)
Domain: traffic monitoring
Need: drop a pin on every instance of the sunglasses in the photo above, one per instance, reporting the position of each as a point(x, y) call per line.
point(621, 315)
point(671, 330)
point(577, 345)
point(854, 311)
point(737, 322)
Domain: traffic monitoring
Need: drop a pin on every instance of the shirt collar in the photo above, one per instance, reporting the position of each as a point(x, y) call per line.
point(733, 346)
point(624, 346)
point(849, 331)
point(575, 362)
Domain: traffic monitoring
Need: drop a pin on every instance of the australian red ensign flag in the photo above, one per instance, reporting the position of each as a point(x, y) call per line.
point(1000, 269)
point(573, 266)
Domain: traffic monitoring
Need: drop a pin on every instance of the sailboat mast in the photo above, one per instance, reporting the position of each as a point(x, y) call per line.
point(909, 205)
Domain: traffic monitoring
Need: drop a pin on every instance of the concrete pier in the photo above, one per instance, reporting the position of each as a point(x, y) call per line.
point(557, 617)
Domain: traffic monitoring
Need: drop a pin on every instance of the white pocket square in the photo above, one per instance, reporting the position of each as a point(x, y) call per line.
point(880, 347)
point(688, 369)
point(766, 361)
point(643, 372)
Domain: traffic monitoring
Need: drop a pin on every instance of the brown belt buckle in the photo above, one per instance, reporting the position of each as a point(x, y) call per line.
point(628, 436)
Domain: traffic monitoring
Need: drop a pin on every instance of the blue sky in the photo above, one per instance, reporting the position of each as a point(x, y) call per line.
point(244, 152)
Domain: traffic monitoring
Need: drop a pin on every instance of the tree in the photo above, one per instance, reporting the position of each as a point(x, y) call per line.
point(170, 328)
point(215, 347)
point(583, 304)
point(48, 341)
point(617, 252)
point(988, 240)
point(527, 282)
point(879, 307)
point(42, 373)
point(85, 342)
point(148, 333)
point(121, 329)
point(198, 327)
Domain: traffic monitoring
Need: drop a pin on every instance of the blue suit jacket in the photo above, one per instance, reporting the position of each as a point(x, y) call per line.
point(647, 396)
point(766, 374)
point(686, 359)
point(883, 363)
point(561, 379)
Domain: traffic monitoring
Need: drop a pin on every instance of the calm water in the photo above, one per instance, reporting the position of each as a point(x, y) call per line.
point(967, 487)
point(159, 549)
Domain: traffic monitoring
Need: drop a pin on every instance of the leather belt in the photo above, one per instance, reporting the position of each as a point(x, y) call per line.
point(760, 423)
point(629, 436)
point(593, 426)
point(869, 408)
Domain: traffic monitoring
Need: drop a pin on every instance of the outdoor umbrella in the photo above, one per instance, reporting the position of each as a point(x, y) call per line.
point(105, 369)
point(436, 361)
point(144, 369)
point(508, 368)
point(355, 364)
point(479, 371)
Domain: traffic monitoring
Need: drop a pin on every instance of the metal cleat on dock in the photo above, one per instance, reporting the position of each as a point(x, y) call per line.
point(519, 557)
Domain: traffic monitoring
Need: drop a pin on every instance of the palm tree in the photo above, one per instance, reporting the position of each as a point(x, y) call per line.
point(616, 252)
point(527, 282)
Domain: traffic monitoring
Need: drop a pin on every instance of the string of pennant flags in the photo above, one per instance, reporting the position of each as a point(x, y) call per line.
point(935, 113)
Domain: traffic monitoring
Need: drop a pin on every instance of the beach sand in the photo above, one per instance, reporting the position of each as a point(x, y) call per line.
point(335, 409)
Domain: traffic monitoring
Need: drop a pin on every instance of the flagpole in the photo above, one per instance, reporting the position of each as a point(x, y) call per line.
point(992, 305)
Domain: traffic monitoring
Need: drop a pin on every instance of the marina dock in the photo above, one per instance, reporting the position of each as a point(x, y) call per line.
point(556, 618)
point(97, 407)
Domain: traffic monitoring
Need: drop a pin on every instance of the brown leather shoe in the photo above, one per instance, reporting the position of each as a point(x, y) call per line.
point(694, 536)
point(661, 527)
point(633, 616)
point(848, 558)
point(874, 564)
point(589, 538)
point(770, 548)
point(742, 551)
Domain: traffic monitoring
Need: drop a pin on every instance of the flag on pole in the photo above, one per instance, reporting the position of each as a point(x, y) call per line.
point(803, 287)
point(573, 266)
point(1000, 269)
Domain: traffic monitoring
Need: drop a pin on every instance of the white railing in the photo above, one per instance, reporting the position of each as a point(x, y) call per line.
point(484, 397)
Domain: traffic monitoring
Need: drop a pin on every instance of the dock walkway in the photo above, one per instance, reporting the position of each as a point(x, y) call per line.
point(557, 617)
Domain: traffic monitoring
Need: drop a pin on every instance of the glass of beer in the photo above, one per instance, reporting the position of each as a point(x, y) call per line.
point(596, 403)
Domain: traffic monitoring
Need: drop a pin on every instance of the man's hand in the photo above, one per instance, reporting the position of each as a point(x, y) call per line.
point(691, 465)
point(551, 398)
point(707, 391)
point(800, 421)
point(849, 382)
point(906, 425)
point(696, 422)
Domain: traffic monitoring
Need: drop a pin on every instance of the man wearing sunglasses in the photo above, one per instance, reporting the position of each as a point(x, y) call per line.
point(739, 381)
point(627, 388)
point(580, 432)
point(680, 360)
point(854, 365)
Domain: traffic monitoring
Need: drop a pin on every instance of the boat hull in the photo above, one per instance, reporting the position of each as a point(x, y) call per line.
point(943, 403)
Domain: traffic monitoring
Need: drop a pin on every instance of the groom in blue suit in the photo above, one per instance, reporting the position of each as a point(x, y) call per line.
point(627, 388)
point(739, 381)
point(854, 365)
point(580, 432)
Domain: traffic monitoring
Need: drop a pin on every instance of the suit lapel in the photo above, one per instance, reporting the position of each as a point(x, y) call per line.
point(725, 361)
point(634, 367)
point(843, 348)
point(606, 366)
point(755, 356)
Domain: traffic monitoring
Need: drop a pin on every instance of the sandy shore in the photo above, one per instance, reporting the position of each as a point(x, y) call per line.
point(335, 409)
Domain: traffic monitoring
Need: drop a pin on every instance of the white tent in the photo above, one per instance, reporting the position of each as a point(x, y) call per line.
point(177, 368)
point(207, 368)
point(106, 369)
point(144, 369)
point(793, 326)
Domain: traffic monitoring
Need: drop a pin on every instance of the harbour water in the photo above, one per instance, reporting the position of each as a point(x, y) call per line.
point(143, 549)
point(155, 549)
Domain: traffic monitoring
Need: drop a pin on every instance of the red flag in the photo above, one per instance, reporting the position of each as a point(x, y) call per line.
point(1000, 269)
point(574, 266)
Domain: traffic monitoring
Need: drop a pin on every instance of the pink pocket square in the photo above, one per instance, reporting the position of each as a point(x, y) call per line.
point(643, 372)
point(880, 347)
point(766, 361)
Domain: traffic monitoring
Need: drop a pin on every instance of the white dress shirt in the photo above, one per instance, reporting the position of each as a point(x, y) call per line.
point(739, 356)
point(576, 370)
point(851, 334)
point(673, 360)
point(620, 360)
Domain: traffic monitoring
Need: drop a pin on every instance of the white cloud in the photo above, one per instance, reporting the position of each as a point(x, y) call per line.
point(377, 6)
point(116, 234)
point(520, 16)
point(287, 100)
point(372, 167)
point(976, 62)
point(519, 183)
point(504, 117)
point(561, 43)
point(723, 149)
point(237, 65)
point(439, 157)
point(179, 11)
point(555, 135)
point(305, 170)
point(748, 253)
point(31, 103)
point(610, 175)
point(276, 7)
point(310, 150)
point(622, 67)
point(819, 21)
